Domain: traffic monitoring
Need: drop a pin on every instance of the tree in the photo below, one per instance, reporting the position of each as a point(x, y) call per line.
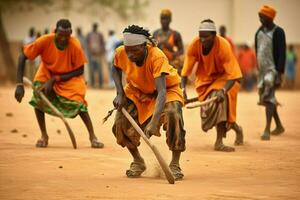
point(123, 8)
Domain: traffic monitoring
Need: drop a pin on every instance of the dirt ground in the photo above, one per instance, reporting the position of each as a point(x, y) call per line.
point(257, 170)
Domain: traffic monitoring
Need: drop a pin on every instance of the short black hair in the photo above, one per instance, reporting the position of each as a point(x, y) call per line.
point(137, 30)
point(207, 20)
point(64, 23)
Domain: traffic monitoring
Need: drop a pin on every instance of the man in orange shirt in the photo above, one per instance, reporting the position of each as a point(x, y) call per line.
point(218, 74)
point(169, 40)
point(60, 76)
point(152, 96)
point(247, 61)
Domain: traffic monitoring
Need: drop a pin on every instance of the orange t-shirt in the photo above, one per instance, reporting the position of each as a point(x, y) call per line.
point(247, 61)
point(214, 70)
point(140, 85)
point(55, 62)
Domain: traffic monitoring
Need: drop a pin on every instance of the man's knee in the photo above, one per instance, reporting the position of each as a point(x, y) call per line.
point(173, 110)
point(269, 80)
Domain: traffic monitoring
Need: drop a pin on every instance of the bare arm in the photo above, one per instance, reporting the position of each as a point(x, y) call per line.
point(153, 127)
point(19, 92)
point(179, 44)
point(221, 94)
point(120, 99)
point(117, 76)
point(69, 75)
point(228, 85)
point(21, 67)
point(160, 83)
point(48, 87)
point(184, 80)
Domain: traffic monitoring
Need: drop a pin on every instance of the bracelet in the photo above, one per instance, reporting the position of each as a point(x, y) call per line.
point(57, 78)
point(19, 84)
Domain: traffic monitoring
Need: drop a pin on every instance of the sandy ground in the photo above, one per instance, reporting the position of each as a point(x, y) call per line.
point(257, 170)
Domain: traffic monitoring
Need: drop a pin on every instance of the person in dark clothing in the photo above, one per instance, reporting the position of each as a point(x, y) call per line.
point(270, 46)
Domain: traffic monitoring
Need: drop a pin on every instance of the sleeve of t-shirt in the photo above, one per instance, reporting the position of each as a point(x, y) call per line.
point(78, 59)
point(117, 58)
point(229, 61)
point(34, 49)
point(160, 65)
point(190, 60)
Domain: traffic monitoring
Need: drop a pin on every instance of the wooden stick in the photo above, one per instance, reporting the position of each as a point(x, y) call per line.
point(202, 103)
point(158, 156)
point(54, 109)
point(192, 100)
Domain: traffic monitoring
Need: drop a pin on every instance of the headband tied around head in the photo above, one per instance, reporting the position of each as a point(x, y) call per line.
point(207, 26)
point(131, 39)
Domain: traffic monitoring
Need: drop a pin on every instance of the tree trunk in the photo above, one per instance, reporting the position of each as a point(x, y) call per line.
point(9, 65)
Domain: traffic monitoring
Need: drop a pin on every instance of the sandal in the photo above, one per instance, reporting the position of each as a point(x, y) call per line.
point(136, 169)
point(224, 148)
point(278, 131)
point(176, 171)
point(265, 136)
point(42, 143)
point(96, 144)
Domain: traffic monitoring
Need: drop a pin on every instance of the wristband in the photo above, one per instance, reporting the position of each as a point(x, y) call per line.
point(19, 84)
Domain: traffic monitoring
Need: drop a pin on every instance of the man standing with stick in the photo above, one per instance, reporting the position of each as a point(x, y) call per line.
point(217, 76)
point(60, 76)
point(152, 96)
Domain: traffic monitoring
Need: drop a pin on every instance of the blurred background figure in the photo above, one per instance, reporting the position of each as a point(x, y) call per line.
point(31, 66)
point(46, 31)
point(112, 43)
point(83, 43)
point(96, 48)
point(37, 60)
point(169, 40)
point(223, 33)
point(290, 71)
point(247, 62)
point(38, 34)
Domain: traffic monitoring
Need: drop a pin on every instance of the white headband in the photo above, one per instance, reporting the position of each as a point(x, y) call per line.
point(131, 39)
point(207, 26)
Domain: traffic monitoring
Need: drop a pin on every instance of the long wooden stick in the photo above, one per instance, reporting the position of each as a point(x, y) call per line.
point(202, 103)
point(54, 109)
point(158, 156)
point(192, 100)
